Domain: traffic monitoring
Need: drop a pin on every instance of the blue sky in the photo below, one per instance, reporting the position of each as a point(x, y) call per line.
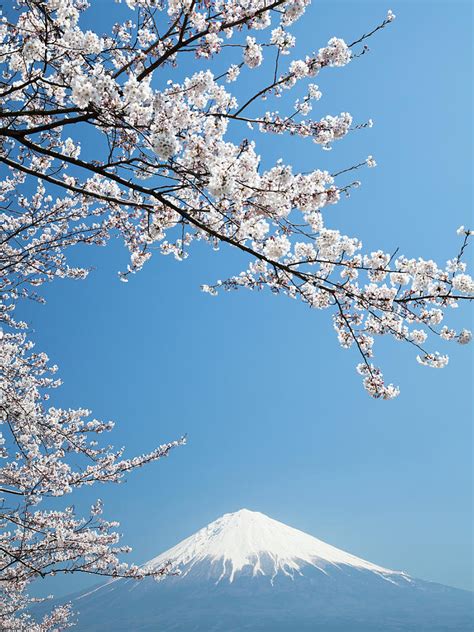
point(275, 413)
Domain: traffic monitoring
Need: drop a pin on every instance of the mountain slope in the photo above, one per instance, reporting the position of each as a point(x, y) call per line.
point(247, 572)
point(252, 542)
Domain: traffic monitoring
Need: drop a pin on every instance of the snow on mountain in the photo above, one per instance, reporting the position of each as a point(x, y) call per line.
point(247, 572)
point(252, 541)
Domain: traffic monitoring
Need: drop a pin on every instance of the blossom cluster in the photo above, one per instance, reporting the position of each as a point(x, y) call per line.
point(204, 186)
point(54, 452)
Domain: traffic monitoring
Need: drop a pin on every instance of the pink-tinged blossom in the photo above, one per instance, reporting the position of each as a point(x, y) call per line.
point(253, 53)
point(390, 15)
point(463, 283)
point(336, 53)
point(284, 40)
point(464, 337)
point(434, 360)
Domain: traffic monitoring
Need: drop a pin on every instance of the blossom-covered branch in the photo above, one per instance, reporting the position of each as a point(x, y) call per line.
point(47, 453)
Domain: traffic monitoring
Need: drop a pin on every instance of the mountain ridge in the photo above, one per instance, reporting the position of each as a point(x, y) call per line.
point(239, 539)
point(246, 572)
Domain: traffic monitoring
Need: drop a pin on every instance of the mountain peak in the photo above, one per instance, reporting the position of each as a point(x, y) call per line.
point(252, 543)
point(246, 571)
point(244, 514)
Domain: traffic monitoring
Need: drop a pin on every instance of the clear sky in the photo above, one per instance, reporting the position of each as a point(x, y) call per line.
point(275, 413)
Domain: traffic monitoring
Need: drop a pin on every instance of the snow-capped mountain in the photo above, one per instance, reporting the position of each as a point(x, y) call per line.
point(250, 542)
point(246, 572)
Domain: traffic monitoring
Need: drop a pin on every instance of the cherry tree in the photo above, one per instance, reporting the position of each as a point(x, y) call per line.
point(163, 174)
